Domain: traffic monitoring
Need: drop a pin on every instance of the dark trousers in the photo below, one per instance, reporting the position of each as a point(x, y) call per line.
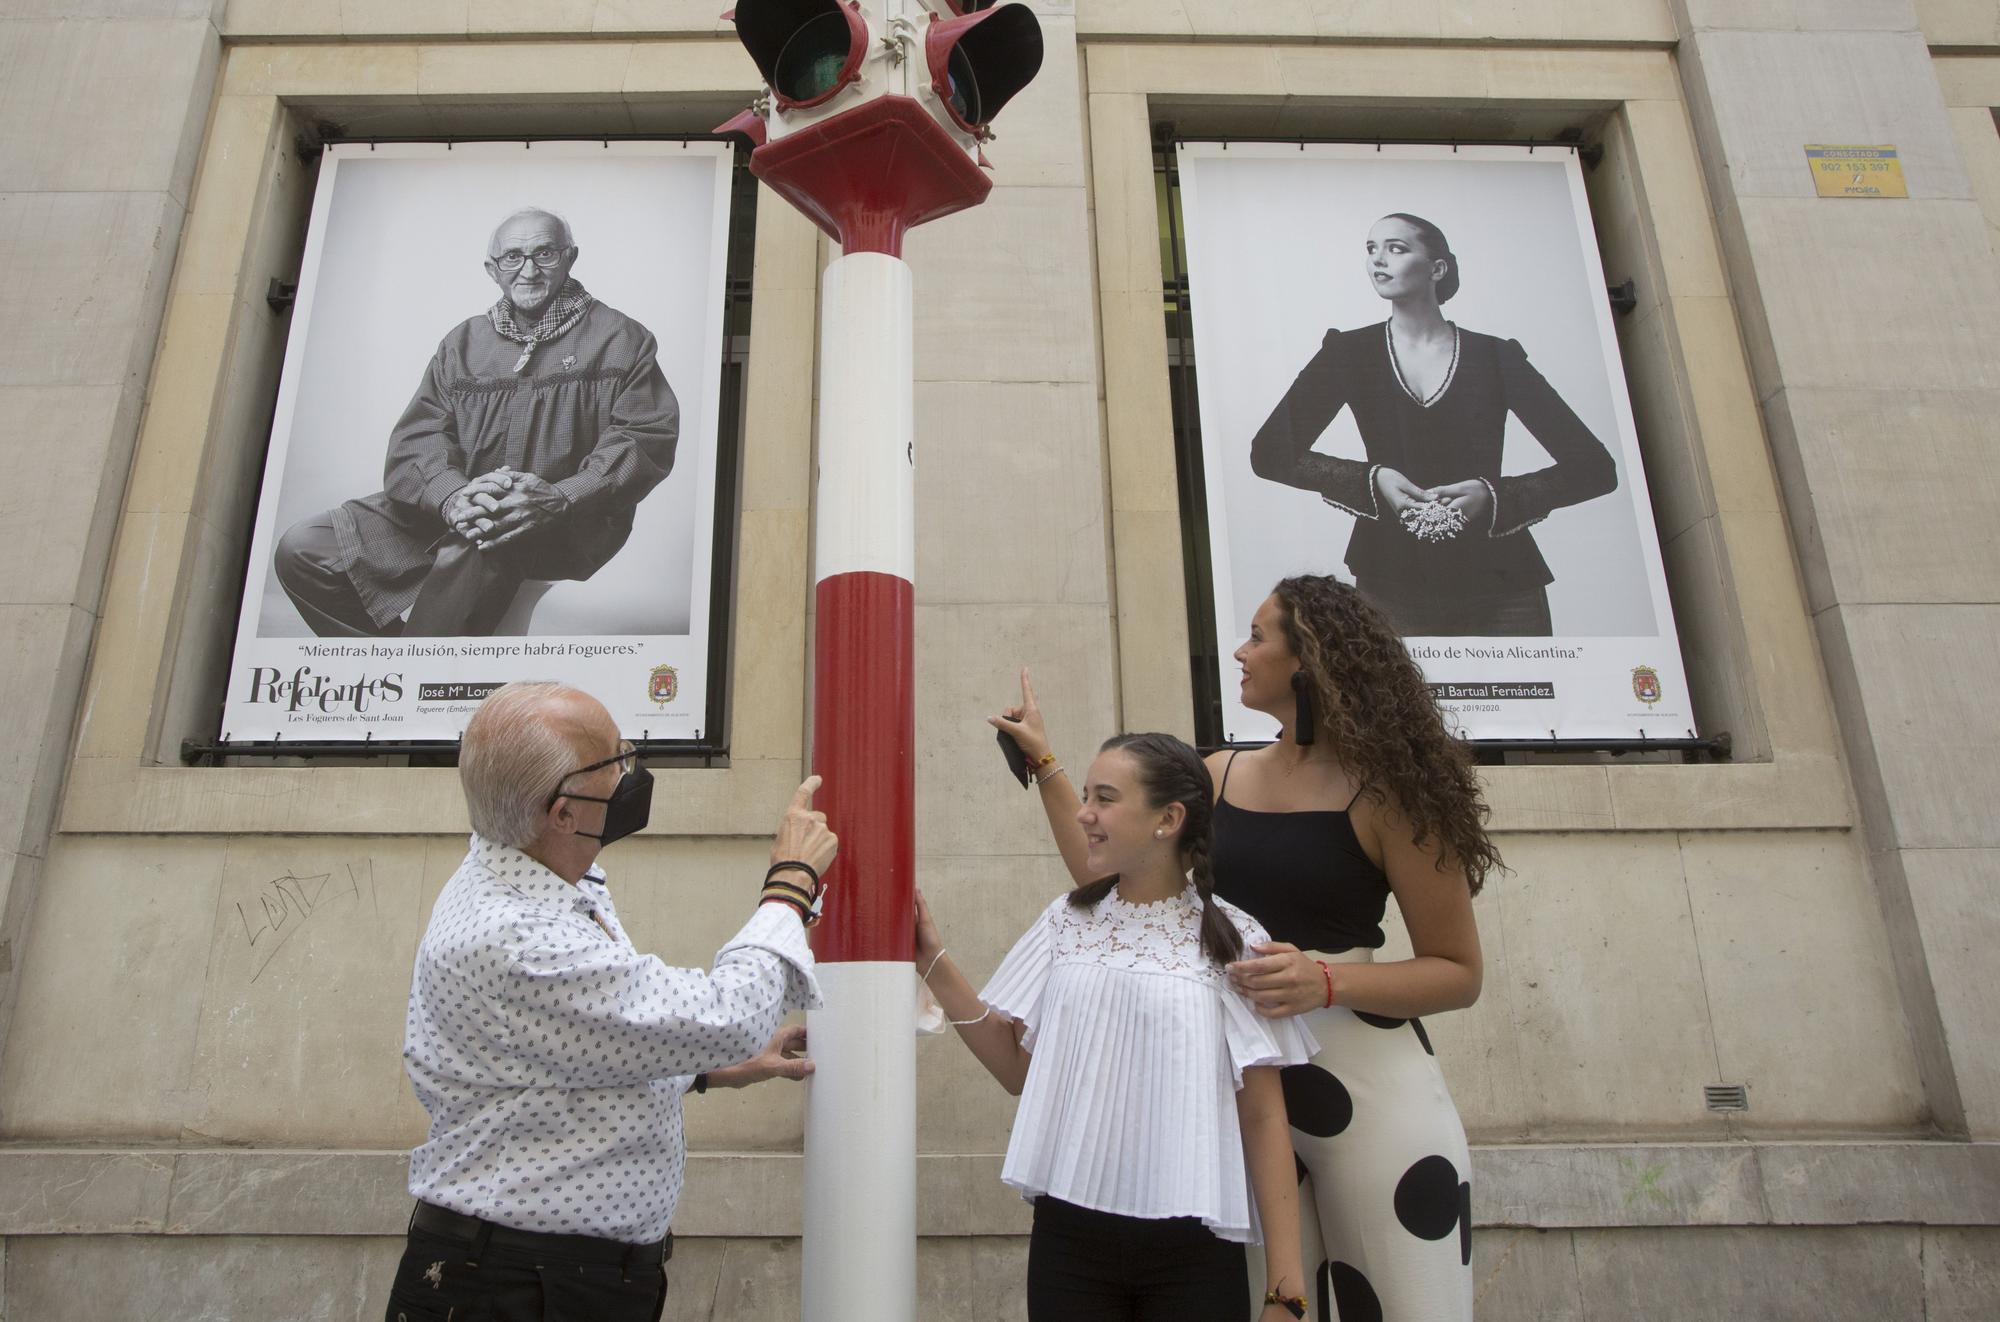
point(463, 596)
point(1438, 615)
point(1086, 1266)
point(520, 1277)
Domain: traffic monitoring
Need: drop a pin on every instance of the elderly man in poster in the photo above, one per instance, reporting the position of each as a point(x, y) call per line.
point(538, 428)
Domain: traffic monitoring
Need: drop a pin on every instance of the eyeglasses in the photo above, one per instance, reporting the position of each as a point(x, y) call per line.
point(626, 758)
point(512, 260)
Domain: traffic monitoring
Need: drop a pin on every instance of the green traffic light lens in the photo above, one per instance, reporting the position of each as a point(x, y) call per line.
point(964, 86)
point(810, 64)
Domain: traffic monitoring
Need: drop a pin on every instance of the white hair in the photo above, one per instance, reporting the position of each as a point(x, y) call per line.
point(515, 754)
point(568, 235)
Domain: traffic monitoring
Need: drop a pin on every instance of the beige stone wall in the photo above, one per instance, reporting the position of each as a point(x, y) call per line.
point(105, 105)
point(234, 944)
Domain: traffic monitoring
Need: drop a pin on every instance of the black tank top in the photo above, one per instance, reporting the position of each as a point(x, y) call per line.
point(1303, 875)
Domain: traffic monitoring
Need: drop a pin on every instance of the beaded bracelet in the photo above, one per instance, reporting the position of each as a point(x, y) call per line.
point(1329, 983)
point(1053, 773)
point(792, 902)
point(1295, 1304)
point(799, 891)
point(786, 865)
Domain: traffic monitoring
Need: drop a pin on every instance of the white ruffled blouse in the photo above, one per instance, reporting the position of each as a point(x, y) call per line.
point(1139, 1046)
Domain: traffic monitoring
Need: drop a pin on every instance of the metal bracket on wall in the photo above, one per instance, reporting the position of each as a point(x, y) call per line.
point(1717, 746)
point(281, 294)
point(211, 752)
point(1624, 297)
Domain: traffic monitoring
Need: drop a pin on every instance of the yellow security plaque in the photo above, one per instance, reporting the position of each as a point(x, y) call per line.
point(1856, 171)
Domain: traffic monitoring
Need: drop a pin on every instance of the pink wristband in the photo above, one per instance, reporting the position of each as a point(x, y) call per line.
point(1328, 973)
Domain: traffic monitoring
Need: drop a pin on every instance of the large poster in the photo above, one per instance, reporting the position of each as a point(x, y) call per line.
point(1409, 379)
point(494, 452)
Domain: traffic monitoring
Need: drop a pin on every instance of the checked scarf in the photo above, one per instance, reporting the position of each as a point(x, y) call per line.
point(563, 311)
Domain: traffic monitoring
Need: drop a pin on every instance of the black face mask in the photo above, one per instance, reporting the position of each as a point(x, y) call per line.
point(627, 810)
point(629, 806)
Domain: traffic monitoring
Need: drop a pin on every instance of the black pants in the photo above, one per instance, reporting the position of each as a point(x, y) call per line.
point(463, 596)
point(1086, 1266)
point(445, 1279)
point(1438, 615)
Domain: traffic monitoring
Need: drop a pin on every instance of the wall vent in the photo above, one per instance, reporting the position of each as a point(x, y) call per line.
point(1727, 1096)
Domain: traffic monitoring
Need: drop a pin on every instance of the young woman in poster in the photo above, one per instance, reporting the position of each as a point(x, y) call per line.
point(1440, 538)
point(1147, 1083)
point(1364, 795)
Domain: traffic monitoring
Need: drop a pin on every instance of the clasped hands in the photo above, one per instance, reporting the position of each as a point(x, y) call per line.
point(495, 508)
point(1468, 502)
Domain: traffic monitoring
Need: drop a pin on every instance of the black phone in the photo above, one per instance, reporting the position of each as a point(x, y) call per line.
point(1017, 757)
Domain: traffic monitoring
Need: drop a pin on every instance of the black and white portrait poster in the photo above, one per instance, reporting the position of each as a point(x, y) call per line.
point(494, 451)
point(1409, 379)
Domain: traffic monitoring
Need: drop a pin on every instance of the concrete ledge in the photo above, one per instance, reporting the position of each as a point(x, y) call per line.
point(163, 1191)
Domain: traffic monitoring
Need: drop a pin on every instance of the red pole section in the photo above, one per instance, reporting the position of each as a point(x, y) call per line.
point(864, 735)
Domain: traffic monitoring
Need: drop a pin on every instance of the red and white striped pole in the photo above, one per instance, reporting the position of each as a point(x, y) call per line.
point(861, 1109)
point(872, 125)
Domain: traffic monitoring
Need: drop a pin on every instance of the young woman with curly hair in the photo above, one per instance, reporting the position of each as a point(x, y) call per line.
point(1364, 795)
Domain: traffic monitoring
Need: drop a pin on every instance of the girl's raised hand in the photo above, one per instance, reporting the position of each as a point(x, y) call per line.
point(1024, 722)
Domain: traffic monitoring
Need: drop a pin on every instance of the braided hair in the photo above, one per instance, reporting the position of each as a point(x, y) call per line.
point(1171, 772)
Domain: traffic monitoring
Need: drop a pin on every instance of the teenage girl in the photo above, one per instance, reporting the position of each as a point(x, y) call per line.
point(1150, 1103)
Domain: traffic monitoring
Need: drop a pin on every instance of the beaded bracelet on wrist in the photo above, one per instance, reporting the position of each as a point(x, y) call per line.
point(792, 902)
point(1295, 1304)
point(799, 891)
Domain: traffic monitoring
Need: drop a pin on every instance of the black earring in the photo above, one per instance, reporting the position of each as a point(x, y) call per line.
point(1306, 722)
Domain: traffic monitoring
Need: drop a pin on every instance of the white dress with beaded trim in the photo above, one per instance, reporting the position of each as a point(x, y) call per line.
point(1139, 1046)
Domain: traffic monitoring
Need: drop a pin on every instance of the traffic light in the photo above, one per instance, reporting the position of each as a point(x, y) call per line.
point(807, 50)
point(877, 110)
point(960, 61)
point(980, 57)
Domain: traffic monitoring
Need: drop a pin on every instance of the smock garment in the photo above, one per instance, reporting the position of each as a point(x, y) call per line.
point(1138, 1046)
point(1454, 436)
point(578, 400)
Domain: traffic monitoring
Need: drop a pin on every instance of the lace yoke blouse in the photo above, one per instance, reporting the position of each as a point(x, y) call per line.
point(1139, 1046)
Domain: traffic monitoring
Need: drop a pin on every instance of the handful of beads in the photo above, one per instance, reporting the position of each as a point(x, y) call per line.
point(1433, 521)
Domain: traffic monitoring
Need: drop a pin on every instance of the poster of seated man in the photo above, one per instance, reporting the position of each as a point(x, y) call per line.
point(497, 421)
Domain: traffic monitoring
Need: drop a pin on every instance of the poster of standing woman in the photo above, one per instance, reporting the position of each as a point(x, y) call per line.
point(1409, 378)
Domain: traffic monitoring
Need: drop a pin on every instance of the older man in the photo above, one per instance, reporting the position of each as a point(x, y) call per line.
point(551, 1055)
point(535, 433)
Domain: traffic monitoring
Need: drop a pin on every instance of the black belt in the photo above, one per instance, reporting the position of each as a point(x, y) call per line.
point(478, 1234)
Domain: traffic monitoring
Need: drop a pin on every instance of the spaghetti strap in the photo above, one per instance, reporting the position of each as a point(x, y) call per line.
point(1357, 797)
point(1219, 789)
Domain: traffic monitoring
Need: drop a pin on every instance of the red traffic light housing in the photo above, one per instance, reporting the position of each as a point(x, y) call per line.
point(981, 58)
point(807, 50)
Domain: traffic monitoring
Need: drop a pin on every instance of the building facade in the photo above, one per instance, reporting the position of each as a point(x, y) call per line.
point(196, 1126)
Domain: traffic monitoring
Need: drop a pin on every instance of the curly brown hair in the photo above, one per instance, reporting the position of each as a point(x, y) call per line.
point(1376, 711)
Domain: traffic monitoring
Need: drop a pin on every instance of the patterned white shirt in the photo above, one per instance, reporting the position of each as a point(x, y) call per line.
point(552, 1057)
